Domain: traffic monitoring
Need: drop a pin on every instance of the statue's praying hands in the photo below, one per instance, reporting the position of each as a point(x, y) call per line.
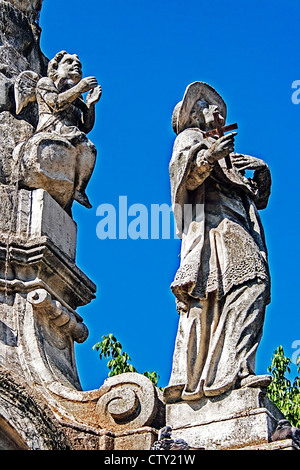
point(93, 96)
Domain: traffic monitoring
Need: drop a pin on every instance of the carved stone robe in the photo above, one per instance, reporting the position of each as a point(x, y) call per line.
point(58, 157)
point(223, 251)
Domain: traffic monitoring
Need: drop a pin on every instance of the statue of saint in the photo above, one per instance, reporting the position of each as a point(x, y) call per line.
point(222, 285)
point(58, 157)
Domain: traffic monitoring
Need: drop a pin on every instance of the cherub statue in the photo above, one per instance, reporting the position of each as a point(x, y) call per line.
point(58, 157)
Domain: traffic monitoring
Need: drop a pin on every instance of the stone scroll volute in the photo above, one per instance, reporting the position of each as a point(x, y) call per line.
point(128, 401)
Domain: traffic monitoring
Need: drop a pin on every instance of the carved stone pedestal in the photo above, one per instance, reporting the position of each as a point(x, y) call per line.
point(40, 289)
point(238, 419)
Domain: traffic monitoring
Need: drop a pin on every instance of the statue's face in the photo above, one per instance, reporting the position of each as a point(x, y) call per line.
point(202, 115)
point(70, 67)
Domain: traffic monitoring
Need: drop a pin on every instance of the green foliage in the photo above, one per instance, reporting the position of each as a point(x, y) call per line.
point(119, 362)
point(281, 391)
point(110, 347)
point(153, 376)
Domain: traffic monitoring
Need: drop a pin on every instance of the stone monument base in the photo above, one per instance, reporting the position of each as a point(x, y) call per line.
point(284, 444)
point(238, 419)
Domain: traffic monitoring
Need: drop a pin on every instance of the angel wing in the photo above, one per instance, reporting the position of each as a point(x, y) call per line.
point(25, 87)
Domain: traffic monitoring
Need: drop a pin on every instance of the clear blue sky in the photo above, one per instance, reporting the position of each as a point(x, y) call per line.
point(144, 54)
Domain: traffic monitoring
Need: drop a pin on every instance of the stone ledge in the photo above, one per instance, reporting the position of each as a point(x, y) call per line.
point(285, 444)
point(240, 418)
point(29, 215)
point(37, 264)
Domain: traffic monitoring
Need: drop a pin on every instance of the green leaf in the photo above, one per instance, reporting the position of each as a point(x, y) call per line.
point(119, 362)
point(281, 391)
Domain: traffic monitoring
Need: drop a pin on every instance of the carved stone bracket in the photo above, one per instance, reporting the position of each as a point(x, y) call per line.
point(69, 321)
point(124, 402)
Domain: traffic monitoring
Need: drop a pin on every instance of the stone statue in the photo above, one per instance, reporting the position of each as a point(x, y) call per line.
point(58, 157)
point(222, 285)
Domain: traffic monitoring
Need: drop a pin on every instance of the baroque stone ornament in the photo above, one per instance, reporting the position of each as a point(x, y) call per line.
point(128, 401)
point(46, 161)
point(58, 157)
point(40, 290)
point(222, 285)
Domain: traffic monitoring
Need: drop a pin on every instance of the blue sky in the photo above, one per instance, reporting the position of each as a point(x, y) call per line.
point(144, 54)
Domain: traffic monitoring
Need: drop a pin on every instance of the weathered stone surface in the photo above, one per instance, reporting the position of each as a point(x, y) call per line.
point(29, 7)
point(19, 50)
point(239, 418)
point(46, 161)
point(135, 439)
point(12, 131)
point(38, 287)
point(36, 227)
point(222, 284)
point(86, 438)
point(32, 215)
point(26, 422)
point(48, 220)
point(129, 401)
point(58, 157)
point(58, 315)
point(287, 444)
point(29, 422)
point(108, 408)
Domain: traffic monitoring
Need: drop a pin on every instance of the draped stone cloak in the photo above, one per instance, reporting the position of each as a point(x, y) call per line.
point(215, 209)
point(58, 157)
point(222, 285)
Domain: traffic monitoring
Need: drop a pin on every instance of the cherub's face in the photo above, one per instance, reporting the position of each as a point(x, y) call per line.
point(70, 67)
point(202, 115)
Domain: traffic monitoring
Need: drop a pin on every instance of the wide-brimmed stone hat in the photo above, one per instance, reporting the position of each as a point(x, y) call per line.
point(194, 92)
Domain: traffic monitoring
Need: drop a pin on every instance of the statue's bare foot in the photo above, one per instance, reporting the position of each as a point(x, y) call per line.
point(82, 199)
